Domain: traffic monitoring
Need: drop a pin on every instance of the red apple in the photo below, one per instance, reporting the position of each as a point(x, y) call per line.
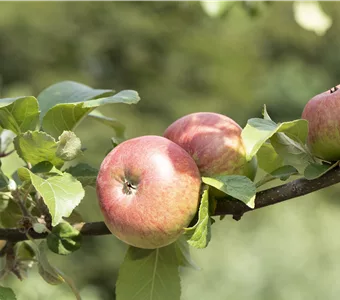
point(148, 190)
point(214, 141)
point(323, 115)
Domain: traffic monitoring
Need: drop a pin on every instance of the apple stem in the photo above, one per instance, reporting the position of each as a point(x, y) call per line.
point(333, 89)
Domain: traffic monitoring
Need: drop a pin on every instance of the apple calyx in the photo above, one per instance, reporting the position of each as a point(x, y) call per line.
point(128, 187)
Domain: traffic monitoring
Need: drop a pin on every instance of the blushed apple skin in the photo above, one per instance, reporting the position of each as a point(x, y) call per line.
point(323, 115)
point(148, 190)
point(214, 141)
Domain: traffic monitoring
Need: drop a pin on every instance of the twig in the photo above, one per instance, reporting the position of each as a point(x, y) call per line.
point(264, 198)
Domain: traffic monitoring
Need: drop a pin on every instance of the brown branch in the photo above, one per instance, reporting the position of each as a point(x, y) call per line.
point(86, 229)
point(293, 189)
point(264, 198)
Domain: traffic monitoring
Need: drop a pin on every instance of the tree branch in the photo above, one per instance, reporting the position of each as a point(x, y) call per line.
point(264, 198)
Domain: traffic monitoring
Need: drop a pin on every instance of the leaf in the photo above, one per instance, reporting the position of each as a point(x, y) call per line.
point(265, 113)
point(282, 173)
point(10, 217)
point(4, 181)
point(236, 186)
point(258, 131)
point(50, 274)
point(268, 159)
point(314, 170)
point(42, 167)
point(36, 146)
point(23, 251)
point(4, 200)
point(149, 275)
point(86, 174)
point(64, 239)
point(292, 152)
point(6, 138)
point(69, 146)
point(39, 228)
point(74, 218)
point(7, 293)
point(68, 92)
point(117, 126)
point(46, 270)
point(183, 254)
point(19, 114)
point(25, 256)
point(67, 116)
point(61, 193)
point(199, 235)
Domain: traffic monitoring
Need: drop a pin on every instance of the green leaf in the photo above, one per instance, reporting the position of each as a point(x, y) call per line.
point(10, 217)
point(68, 92)
point(4, 181)
point(149, 275)
point(236, 186)
point(39, 227)
point(23, 251)
point(69, 146)
point(292, 152)
point(67, 116)
point(36, 146)
point(6, 138)
point(19, 114)
point(61, 193)
point(86, 174)
point(117, 126)
point(7, 293)
point(4, 200)
point(75, 217)
point(64, 239)
point(50, 274)
point(314, 170)
point(199, 235)
point(265, 113)
point(42, 167)
point(268, 159)
point(282, 173)
point(183, 254)
point(258, 131)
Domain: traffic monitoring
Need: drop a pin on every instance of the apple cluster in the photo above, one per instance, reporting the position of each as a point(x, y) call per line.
point(149, 187)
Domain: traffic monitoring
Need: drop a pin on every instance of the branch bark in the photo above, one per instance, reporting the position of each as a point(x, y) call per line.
point(264, 198)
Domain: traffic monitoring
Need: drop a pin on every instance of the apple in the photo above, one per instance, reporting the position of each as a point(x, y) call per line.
point(214, 141)
point(148, 190)
point(323, 115)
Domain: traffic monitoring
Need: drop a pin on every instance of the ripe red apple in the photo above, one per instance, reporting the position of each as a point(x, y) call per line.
point(148, 190)
point(214, 141)
point(323, 115)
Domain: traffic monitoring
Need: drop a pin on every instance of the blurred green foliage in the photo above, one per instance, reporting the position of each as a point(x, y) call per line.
point(180, 61)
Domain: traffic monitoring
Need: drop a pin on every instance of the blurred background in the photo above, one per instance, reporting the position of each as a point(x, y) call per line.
point(184, 57)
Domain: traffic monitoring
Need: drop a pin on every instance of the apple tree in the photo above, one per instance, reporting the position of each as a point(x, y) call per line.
point(180, 203)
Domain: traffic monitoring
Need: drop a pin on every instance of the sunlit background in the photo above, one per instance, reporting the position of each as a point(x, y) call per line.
point(185, 57)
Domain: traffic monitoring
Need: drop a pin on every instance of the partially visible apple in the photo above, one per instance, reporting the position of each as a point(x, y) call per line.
point(214, 141)
point(148, 190)
point(323, 115)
